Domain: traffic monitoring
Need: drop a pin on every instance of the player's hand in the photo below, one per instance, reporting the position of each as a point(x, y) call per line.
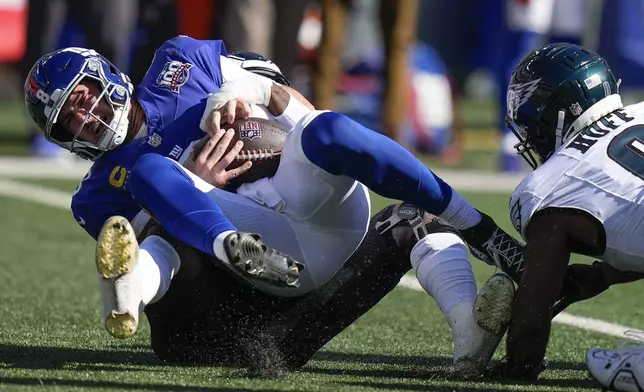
point(252, 88)
point(227, 114)
point(210, 161)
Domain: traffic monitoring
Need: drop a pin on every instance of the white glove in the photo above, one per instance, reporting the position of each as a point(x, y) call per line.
point(252, 89)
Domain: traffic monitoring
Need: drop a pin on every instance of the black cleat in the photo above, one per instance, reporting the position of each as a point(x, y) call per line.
point(249, 255)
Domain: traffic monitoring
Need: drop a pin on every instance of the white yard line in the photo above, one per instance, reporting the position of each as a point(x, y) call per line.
point(477, 181)
point(35, 193)
point(25, 167)
point(585, 323)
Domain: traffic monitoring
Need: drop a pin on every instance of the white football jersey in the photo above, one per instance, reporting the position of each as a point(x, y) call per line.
point(600, 171)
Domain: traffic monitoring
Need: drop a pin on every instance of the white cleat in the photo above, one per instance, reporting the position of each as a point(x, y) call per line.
point(491, 317)
point(116, 256)
point(621, 369)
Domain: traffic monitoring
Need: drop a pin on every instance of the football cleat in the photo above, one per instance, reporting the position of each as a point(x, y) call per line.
point(250, 256)
point(493, 306)
point(621, 369)
point(116, 257)
point(492, 314)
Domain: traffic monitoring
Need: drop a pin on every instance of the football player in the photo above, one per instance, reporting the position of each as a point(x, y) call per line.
point(584, 196)
point(210, 316)
point(136, 137)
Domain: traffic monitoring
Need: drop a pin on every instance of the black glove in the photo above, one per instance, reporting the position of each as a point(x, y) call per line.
point(582, 282)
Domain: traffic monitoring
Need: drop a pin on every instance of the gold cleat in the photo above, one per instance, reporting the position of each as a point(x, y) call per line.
point(116, 255)
point(116, 248)
point(121, 325)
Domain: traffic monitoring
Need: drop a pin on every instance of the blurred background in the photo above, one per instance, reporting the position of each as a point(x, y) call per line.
point(430, 74)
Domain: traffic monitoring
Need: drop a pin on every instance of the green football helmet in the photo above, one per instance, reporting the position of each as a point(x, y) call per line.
point(555, 92)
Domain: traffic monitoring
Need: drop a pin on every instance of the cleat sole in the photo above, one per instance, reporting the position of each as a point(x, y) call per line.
point(116, 248)
point(493, 306)
point(116, 255)
point(121, 325)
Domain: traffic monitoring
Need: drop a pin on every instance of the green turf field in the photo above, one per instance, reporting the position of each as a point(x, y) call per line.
point(51, 336)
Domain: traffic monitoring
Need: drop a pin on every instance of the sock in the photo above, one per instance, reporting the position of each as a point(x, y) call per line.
point(218, 246)
point(158, 262)
point(460, 213)
point(342, 146)
point(444, 271)
point(162, 188)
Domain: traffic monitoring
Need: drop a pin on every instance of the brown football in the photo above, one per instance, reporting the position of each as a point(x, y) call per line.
point(263, 141)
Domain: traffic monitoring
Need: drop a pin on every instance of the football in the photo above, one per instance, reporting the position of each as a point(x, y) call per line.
point(263, 141)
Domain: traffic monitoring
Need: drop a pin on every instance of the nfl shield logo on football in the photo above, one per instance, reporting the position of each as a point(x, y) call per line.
point(576, 109)
point(250, 130)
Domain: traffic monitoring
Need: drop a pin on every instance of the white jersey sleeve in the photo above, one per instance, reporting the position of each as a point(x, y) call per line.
point(523, 204)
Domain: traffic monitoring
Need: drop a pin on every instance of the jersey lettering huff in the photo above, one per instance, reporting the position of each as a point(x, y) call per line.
point(601, 172)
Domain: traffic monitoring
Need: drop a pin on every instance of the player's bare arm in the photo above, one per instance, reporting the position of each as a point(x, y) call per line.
point(586, 281)
point(546, 257)
point(238, 108)
point(552, 236)
point(279, 101)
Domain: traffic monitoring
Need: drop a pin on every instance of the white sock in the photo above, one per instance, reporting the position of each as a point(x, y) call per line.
point(443, 269)
point(158, 263)
point(445, 272)
point(218, 246)
point(460, 213)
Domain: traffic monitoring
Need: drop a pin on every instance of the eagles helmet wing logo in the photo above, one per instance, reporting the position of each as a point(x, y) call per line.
point(518, 94)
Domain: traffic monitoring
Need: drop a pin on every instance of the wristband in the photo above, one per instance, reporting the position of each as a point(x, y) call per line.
point(294, 112)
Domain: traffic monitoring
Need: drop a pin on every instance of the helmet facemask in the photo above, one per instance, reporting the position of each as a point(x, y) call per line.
point(114, 129)
point(533, 151)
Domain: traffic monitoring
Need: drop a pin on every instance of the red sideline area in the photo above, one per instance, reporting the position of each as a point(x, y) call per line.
point(13, 30)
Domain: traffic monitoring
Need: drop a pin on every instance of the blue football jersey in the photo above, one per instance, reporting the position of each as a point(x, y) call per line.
point(173, 96)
